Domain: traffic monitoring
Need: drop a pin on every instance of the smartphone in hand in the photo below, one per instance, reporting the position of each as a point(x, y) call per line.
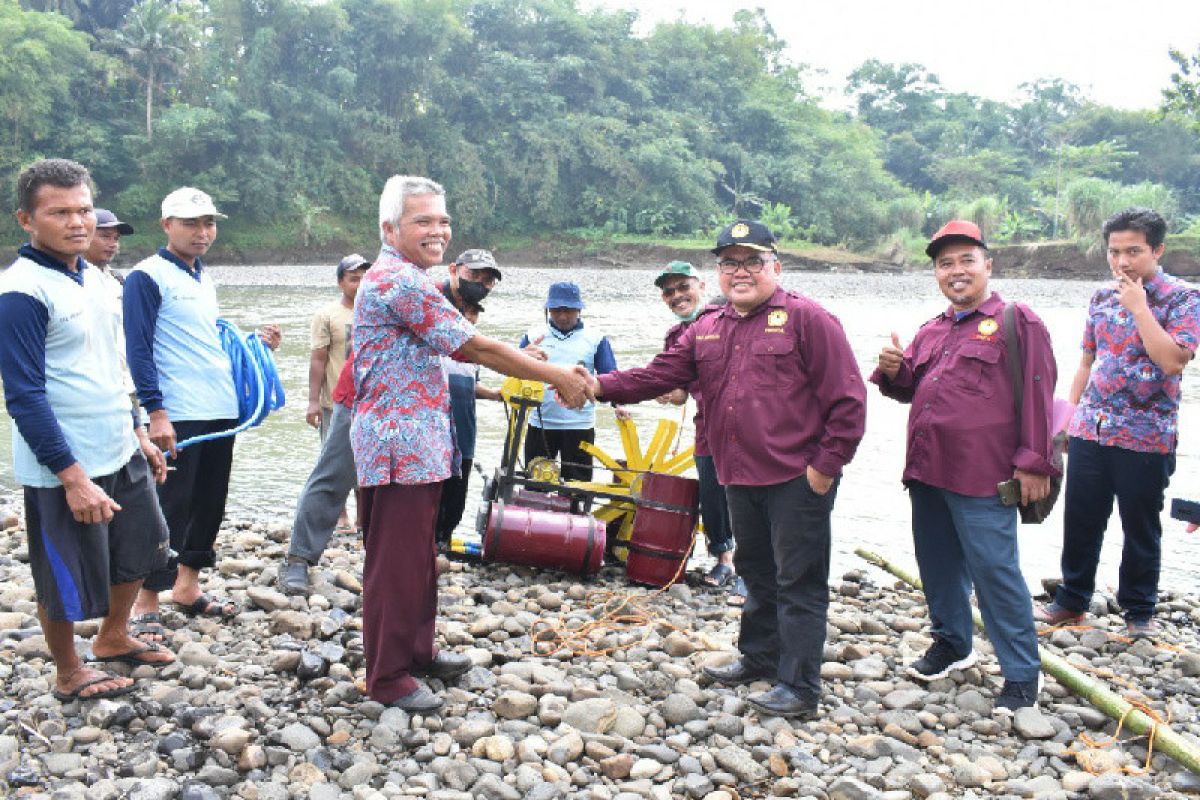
point(1186, 510)
point(1010, 492)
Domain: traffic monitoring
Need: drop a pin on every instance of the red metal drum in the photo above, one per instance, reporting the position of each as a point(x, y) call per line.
point(662, 538)
point(549, 539)
point(527, 498)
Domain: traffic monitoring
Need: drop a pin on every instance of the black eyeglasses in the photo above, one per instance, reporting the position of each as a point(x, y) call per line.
point(752, 264)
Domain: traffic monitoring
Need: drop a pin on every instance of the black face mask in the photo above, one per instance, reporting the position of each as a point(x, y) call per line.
point(472, 291)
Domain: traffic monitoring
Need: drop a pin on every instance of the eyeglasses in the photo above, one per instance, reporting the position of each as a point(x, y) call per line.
point(679, 288)
point(752, 264)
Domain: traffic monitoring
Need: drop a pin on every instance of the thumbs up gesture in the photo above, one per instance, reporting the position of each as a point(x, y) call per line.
point(891, 357)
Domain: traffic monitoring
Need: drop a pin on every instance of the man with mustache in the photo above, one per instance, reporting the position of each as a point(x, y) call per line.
point(784, 408)
point(403, 438)
point(1141, 332)
point(966, 437)
point(683, 293)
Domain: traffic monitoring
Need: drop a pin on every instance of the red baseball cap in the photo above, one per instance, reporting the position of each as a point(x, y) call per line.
point(956, 230)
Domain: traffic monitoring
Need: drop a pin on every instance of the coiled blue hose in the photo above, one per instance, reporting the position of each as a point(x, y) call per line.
point(255, 380)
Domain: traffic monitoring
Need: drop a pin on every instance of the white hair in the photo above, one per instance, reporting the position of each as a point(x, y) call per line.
point(397, 189)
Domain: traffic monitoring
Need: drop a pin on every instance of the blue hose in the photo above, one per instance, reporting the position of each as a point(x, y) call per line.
point(255, 380)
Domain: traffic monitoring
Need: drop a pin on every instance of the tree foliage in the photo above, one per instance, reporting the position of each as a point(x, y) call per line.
point(540, 116)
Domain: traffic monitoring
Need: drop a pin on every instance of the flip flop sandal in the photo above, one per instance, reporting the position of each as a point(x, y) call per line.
point(67, 697)
point(205, 606)
point(737, 595)
point(148, 624)
point(137, 657)
point(718, 576)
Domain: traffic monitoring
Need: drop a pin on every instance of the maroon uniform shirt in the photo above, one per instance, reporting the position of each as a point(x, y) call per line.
point(779, 389)
point(962, 430)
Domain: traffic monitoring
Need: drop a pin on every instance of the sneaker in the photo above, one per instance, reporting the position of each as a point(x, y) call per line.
point(1053, 614)
point(939, 661)
point(1018, 694)
point(1141, 628)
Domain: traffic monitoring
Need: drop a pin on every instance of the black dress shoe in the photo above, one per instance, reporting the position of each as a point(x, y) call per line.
point(783, 701)
point(738, 672)
point(419, 701)
point(445, 666)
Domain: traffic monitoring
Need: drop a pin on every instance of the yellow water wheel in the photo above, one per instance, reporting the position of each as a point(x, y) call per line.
point(627, 474)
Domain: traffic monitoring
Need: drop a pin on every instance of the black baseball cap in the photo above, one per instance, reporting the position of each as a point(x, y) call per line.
point(748, 233)
point(107, 219)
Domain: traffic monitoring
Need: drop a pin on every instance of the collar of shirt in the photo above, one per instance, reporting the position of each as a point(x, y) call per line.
point(48, 261)
point(1157, 283)
point(990, 307)
point(183, 265)
point(388, 250)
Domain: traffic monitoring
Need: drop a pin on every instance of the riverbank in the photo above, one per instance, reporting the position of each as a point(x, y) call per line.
point(268, 706)
point(1034, 260)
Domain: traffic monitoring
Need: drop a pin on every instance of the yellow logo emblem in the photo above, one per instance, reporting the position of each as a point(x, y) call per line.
point(988, 326)
point(739, 230)
point(777, 318)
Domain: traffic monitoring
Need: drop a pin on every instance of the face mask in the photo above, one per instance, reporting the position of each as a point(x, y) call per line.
point(472, 291)
point(692, 316)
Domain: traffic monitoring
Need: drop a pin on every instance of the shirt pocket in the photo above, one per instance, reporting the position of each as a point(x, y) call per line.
point(773, 364)
point(1144, 380)
point(975, 368)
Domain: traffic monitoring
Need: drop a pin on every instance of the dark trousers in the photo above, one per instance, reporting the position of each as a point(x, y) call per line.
point(714, 509)
point(193, 498)
point(783, 547)
point(399, 585)
point(576, 464)
point(1096, 474)
point(454, 501)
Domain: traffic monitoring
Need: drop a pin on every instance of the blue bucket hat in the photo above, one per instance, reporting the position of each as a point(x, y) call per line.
point(564, 295)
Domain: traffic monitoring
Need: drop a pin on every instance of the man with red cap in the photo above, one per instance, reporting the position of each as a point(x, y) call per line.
point(965, 437)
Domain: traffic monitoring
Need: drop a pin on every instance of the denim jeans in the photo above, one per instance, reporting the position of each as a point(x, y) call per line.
point(324, 494)
point(714, 509)
point(783, 548)
point(1097, 474)
point(964, 542)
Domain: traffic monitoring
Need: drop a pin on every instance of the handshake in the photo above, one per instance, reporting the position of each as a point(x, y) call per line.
point(575, 386)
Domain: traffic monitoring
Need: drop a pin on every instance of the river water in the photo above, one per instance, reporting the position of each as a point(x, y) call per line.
point(872, 509)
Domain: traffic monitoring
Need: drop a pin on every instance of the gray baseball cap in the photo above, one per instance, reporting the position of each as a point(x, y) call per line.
point(479, 259)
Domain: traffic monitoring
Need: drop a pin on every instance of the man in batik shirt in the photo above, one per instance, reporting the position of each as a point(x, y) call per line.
point(403, 439)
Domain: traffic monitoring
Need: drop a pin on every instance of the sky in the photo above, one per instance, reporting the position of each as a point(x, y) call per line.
point(986, 49)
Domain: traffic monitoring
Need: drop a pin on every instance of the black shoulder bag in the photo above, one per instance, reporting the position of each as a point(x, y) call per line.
point(1036, 512)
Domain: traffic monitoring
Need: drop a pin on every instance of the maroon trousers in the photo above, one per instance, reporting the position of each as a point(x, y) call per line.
point(399, 585)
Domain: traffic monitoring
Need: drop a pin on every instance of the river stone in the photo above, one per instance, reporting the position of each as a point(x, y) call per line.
point(194, 654)
point(268, 599)
point(514, 705)
point(153, 789)
point(198, 791)
point(299, 737)
point(741, 764)
point(1030, 724)
point(565, 749)
point(59, 764)
point(678, 709)
point(360, 774)
point(973, 701)
point(594, 715)
point(905, 699)
point(293, 623)
point(869, 669)
point(252, 757)
point(472, 730)
point(231, 740)
point(970, 775)
point(925, 784)
point(1121, 787)
point(628, 723)
point(496, 748)
point(852, 789)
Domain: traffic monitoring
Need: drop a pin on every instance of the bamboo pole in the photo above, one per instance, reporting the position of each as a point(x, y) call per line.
point(1165, 740)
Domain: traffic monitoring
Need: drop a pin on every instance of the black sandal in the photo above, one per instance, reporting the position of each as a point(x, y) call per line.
point(148, 624)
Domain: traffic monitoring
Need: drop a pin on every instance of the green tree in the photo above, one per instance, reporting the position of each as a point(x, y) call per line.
point(155, 42)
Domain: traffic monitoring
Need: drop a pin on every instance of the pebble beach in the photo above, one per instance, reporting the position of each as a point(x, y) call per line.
point(580, 689)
